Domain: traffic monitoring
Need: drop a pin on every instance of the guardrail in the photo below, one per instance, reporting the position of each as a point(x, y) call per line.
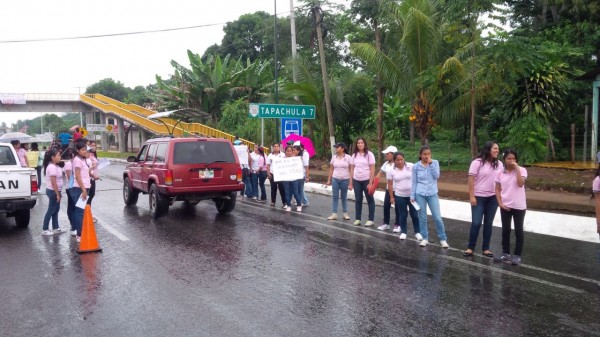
point(51, 97)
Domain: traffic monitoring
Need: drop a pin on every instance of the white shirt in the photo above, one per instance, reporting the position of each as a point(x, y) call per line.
point(273, 156)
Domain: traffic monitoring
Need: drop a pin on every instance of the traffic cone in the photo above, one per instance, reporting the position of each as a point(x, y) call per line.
point(89, 242)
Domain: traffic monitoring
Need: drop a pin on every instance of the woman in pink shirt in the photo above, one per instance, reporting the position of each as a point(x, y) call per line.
point(81, 185)
point(362, 173)
point(399, 182)
point(482, 194)
point(54, 184)
point(339, 179)
point(510, 193)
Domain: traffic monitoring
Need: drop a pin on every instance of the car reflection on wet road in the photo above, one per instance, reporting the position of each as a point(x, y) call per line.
point(262, 271)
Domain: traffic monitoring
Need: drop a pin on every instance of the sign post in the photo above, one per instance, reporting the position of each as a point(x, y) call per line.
point(291, 116)
point(291, 126)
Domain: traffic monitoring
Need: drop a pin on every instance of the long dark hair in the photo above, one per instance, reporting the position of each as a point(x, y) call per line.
point(299, 149)
point(48, 158)
point(510, 151)
point(356, 146)
point(262, 153)
point(486, 154)
point(423, 148)
point(34, 147)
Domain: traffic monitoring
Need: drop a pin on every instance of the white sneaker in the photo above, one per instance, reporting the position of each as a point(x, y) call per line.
point(419, 236)
point(288, 209)
point(356, 222)
point(299, 209)
point(73, 232)
point(444, 244)
point(383, 227)
point(47, 232)
point(333, 216)
point(369, 223)
point(396, 229)
point(59, 230)
point(79, 239)
point(423, 243)
point(346, 216)
point(403, 236)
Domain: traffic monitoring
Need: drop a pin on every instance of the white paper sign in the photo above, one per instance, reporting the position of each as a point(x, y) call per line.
point(102, 163)
point(81, 203)
point(242, 153)
point(287, 169)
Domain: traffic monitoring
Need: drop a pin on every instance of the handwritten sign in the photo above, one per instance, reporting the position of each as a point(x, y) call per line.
point(287, 169)
point(242, 153)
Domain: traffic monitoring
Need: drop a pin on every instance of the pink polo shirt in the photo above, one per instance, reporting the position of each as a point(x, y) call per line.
point(596, 185)
point(512, 195)
point(362, 163)
point(22, 154)
point(341, 167)
point(54, 171)
point(485, 177)
point(402, 179)
point(84, 171)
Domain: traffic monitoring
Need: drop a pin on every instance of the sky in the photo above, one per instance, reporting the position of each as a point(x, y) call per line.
point(69, 66)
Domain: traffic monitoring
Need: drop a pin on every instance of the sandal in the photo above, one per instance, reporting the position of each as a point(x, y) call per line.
point(467, 253)
point(488, 254)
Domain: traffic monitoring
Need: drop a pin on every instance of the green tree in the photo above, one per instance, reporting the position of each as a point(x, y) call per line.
point(108, 87)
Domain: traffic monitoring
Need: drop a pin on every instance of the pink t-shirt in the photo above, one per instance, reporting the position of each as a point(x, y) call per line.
point(402, 179)
point(341, 167)
point(54, 171)
point(485, 177)
point(84, 170)
point(362, 165)
point(512, 195)
point(22, 154)
point(596, 185)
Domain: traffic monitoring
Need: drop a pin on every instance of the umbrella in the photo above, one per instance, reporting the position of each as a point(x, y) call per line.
point(308, 145)
point(20, 136)
point(74, 127)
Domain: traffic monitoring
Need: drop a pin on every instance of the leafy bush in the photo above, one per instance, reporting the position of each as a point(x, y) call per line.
point(528, 136)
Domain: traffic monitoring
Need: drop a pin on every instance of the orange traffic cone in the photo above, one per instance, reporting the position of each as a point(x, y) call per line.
point(89, 242)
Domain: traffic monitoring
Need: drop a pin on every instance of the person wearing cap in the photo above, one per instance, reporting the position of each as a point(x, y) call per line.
point(339, 179)
point(362, 172)
point(387, 205)
point(275, 153)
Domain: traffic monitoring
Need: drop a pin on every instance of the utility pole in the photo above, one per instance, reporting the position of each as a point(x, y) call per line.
point(276, 66)
point(318, 18)
point(293, 35)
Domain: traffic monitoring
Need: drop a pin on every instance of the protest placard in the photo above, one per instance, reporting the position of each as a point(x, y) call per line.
point(242, 153)
point(287, 169)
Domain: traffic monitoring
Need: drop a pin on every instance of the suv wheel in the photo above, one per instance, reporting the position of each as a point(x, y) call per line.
point(158, 204)
point(226, 205)
point(130, 195)
point(22, 218)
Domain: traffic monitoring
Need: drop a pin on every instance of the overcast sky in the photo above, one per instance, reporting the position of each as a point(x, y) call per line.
point(69, 66)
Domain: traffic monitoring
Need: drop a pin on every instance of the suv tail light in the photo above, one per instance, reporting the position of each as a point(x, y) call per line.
point(239, 174)
point(169, 178)
point(34, 184)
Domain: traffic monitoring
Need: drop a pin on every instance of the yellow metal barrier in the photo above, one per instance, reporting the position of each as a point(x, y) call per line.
point(137, 115)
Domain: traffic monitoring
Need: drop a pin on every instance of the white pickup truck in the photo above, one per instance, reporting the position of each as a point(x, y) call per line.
point(18, 186)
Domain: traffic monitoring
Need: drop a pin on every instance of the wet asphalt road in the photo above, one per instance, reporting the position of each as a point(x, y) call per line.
point(261, 271)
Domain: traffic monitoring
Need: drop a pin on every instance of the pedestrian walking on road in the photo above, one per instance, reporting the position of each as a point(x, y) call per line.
point(81, 185)
point(254, 170)
point(92, 161)
point(510, 193)
point(262, 174)
point(54, 184)
point(275, 153)
point(596, 195)
point(339, 179)
point(424, 191)
point(399, 185)
point(387, 205)
point(33, 159)
point(482, 195)
point(292, 187)
point(68, 169)
point(362, 173)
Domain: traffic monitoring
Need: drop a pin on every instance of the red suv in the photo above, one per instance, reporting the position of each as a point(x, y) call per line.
point(183, 169)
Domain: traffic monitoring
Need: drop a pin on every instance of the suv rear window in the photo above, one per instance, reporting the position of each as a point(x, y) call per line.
point(6, 156)
point(201, 152)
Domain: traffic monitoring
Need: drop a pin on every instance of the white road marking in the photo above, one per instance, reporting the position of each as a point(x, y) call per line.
point(112, 230)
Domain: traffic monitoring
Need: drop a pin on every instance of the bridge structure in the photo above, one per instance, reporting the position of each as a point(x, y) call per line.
point(113, 112)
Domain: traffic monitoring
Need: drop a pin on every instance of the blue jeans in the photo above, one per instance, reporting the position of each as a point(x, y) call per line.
point(248, 186)
point(70, 208)
point(52, 212)
point(434, 206)
point(485, 210)
point(402, 214)
point(360, 187)
point(254, 181)
point(262, 176)
point(77, 212)
point(340, 191)
point(387, 207)
point(292, 188)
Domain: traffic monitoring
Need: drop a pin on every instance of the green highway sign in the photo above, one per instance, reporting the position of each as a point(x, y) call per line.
point(282, 111)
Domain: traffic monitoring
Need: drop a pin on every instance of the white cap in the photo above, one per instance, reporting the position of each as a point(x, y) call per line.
point(297, 143)
point(390, 149)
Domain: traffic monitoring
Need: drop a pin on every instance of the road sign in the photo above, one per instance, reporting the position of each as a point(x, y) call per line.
point(282, 111)
point(291, 125)
point(101, 128)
